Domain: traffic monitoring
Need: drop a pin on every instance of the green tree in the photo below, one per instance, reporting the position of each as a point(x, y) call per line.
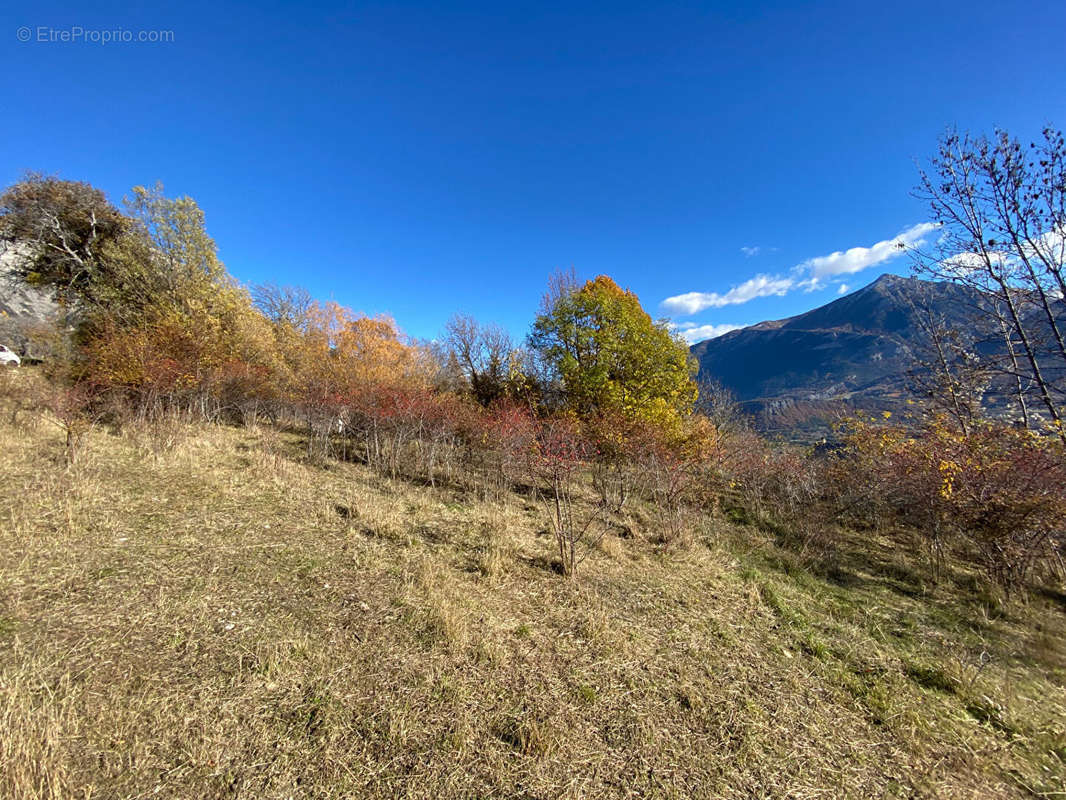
point(610, 357)
point(105, 266)
point(70, 231)
point(184, 257)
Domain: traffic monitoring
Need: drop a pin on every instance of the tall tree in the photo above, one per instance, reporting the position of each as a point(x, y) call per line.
point(183, 255)
point(1002, 212)
point(610, 357)
point(483, 354)
point(283, 305)
point(70, 231)
point(948, 371)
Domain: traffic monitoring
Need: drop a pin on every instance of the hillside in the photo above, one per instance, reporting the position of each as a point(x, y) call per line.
point(198, 612)
point(796, 374)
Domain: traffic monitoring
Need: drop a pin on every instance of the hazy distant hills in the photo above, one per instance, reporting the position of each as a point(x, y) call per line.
point(795, 375)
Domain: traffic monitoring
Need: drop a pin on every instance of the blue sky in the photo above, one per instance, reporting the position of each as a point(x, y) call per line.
point(426, 158)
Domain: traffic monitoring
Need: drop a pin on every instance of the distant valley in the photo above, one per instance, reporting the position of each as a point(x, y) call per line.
point(795, 376)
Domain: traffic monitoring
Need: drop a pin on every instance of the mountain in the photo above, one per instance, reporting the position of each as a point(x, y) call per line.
point(795, 375)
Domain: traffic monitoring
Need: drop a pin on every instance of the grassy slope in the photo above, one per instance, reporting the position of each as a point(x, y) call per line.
point(222, 620)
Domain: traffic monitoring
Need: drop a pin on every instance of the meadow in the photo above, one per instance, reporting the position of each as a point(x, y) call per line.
point(203, 611)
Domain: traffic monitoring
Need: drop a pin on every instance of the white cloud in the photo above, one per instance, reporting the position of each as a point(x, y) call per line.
point(848, 262)
point(962, 264)
point(757, 250)
point(692, 333)
point(843, 289)
point(809, 276)
point(759, 286)
point(1054, 240)
point(1048, 247)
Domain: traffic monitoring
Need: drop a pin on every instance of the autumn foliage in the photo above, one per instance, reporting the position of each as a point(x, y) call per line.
point(998, 493)
point(595, 418)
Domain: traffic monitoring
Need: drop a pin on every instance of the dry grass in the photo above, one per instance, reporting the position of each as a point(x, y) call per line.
point(215, 618)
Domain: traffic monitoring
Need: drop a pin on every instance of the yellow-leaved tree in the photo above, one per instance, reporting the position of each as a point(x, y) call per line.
point(610, 358)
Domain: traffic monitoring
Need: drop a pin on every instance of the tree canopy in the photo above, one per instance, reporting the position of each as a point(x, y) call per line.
point(71, 231)
point(611, 357)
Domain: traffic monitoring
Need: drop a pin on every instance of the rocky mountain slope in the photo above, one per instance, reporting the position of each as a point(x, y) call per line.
point(795, 375)
point(24, 310)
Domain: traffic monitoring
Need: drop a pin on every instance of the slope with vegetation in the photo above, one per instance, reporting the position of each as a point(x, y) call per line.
point(871, 351)
point(201, 611)
point(266, 546)
point(796, 375)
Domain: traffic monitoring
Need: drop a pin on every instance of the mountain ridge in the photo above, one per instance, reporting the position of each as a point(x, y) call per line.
point(794, 375)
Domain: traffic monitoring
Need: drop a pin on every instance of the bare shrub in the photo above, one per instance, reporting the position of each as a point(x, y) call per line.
point(20, 393)
point(997, 494)
point(72, 409)
point(673, 469)
point(558, 458)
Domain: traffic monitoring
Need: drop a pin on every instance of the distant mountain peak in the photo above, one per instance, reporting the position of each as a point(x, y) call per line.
point(854, 352)
point(890, 279)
